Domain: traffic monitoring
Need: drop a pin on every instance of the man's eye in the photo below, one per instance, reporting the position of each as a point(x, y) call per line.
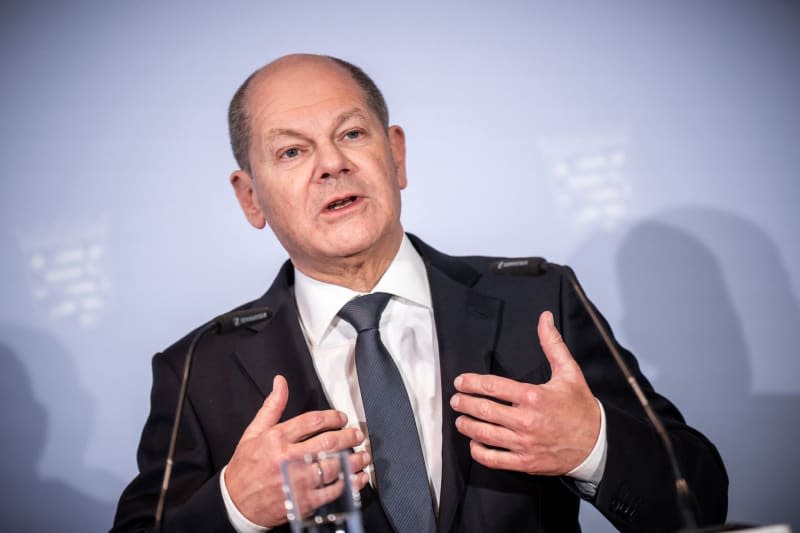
point(354, 134)
point(290, 153)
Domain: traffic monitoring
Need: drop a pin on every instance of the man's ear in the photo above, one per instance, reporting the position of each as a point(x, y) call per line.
point(243, 187)
point(397, 142)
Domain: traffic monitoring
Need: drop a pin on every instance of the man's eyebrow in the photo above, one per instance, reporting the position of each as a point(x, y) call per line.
point(283, 132)
point(347, 115)
point(341, 119)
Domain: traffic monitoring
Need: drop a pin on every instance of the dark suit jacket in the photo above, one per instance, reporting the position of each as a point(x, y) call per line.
point(486, 323)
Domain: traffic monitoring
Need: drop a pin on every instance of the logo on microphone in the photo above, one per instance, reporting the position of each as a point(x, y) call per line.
point(243, 320)
point(511, 264)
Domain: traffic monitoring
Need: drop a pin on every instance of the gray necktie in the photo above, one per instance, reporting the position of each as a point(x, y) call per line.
point(396, 452)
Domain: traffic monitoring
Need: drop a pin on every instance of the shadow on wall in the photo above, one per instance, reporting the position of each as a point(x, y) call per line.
point(28, 500)
point(692, 318)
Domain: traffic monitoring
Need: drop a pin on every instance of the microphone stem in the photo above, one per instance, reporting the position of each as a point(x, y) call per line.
point(187, 366)
point(681, 487)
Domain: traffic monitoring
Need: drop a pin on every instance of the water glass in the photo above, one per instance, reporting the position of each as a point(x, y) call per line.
point(320, 495)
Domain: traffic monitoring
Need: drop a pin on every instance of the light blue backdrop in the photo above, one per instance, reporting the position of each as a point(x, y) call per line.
point(653, 147)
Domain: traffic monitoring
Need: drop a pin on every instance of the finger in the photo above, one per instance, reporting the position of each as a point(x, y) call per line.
point(305, 425)
point(307, 476)
point(360, 480)
point(330, 467)
point(307, 491)
point(316, 474)
point(547, 465)
point(488, 434)
point(319, 497)
point(359, 461)
point(327, 470)
point(271, 410)
point(330, 441)
point(491, 386)
point(484, 409)
point(555, 350)
point(493, 458)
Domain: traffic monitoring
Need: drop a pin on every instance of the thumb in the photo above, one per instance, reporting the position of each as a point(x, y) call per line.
point(271, 410)
point(558, 355)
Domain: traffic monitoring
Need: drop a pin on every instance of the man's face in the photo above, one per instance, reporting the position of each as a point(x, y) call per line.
point(325, 175)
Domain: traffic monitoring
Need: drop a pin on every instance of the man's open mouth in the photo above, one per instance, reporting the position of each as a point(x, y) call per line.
point(339, 204)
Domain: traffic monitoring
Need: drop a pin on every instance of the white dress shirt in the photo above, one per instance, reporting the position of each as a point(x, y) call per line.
point(408, 331)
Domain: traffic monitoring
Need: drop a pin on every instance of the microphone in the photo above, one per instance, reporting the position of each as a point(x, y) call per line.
point(525, 266)
point(536, 266)
point(221, 325)
point(233, 320)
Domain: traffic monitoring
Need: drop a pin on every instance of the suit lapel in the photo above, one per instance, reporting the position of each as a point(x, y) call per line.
point(466, 326)
point(278, 347)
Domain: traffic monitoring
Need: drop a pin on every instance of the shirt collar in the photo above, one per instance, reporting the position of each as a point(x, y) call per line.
point(319, 302)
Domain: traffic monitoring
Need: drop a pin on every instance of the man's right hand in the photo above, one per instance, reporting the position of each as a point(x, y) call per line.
point(253, 475)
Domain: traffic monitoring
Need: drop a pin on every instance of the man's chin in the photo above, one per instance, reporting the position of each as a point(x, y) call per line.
point(362, 247)
point(351, 250)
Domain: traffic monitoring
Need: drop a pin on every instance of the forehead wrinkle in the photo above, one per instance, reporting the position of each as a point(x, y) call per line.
point(294, 69)
point(346, 115)
point(343, 117)
point(283, 132)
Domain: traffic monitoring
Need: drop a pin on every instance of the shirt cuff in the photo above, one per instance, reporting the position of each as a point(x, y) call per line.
point(588, 474)
point(239, 522)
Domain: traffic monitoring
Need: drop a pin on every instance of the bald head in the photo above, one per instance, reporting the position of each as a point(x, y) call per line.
point(239, 117)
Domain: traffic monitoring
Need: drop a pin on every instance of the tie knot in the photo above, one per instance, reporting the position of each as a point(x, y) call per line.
point(364, 312)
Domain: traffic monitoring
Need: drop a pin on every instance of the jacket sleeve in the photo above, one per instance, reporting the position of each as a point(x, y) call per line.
point(637, 491)
point(194, 501)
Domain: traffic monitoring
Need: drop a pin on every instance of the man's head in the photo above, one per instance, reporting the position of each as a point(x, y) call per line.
point(319, 163)
point(239, 126)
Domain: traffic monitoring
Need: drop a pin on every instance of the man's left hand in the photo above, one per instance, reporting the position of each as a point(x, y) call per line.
point(546, 429)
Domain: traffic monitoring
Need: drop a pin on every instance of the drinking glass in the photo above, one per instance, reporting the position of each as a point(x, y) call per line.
point(320, 495)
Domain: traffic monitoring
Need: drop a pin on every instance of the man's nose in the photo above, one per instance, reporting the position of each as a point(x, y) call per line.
point(332, 162)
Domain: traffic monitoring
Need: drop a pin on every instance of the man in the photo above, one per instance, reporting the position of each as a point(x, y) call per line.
point(512, 431)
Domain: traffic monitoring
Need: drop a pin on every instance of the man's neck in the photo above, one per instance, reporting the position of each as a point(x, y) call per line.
point(360, 272)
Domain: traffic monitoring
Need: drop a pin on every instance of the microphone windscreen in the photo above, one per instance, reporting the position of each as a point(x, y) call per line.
point(524, 266)
point(237, 319)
